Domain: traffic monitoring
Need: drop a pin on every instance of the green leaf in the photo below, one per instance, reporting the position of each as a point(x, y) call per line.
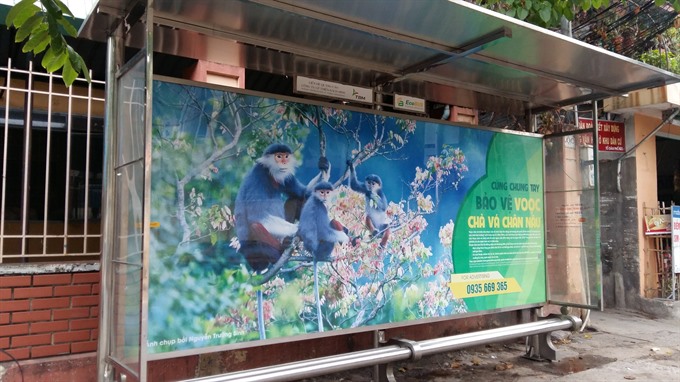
point(68, 27)
point(213, 238)
point(37, 40)
point(78, 63)
point(57, 63)
point(68, 73)
point(544, 13)
point(64, 8)
point(57, 42)
point(597, 4)
point(53, 60)
point(18, 8)
point(42, 45)
point(52, 8)
point(522, 13)
point(27, 28)
point(47, 57)
point(26, 14)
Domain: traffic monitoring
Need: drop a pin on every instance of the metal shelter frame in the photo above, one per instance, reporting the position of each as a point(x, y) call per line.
point(447, 52)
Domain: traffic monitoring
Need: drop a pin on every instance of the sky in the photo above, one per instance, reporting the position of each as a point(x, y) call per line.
point(79, 8)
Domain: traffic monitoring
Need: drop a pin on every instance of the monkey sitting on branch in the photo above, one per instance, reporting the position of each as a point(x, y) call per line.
point(260, 207)
point(318, 232)
point(377, 220)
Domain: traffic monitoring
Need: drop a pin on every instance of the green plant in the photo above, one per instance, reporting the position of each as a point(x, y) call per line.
point(662, 59)
point(42, 27)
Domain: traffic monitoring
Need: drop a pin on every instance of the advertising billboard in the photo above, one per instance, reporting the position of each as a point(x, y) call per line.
point(274, 220)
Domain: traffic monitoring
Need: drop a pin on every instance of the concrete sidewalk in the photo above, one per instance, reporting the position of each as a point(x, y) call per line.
point(616, 346)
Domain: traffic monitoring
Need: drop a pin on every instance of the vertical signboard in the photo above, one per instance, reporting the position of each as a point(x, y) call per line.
point(275, 220)
point(675, 213)
point(498, 252)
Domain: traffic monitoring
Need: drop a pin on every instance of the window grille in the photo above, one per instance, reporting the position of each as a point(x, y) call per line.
point(52, 162)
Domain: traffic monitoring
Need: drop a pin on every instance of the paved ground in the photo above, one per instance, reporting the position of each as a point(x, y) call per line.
point(616, 346)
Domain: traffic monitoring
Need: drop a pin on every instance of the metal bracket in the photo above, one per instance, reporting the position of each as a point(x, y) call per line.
point(413, 346)
point(575, 321)
point(381, 337)
point(669, 114)
point(386, 371)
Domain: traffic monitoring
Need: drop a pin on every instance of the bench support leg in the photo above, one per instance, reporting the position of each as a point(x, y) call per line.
point(541, 348)
point(385, 373)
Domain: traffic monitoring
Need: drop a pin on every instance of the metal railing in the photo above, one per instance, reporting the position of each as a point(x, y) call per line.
point(50, 198)
point(401, 350)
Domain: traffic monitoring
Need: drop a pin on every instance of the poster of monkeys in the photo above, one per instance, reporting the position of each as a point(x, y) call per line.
point(275, 219)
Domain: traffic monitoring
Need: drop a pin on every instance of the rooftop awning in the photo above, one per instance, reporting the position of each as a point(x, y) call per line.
point(449, 52)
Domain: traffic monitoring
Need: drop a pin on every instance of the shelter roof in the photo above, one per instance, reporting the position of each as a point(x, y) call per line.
point(449, 52)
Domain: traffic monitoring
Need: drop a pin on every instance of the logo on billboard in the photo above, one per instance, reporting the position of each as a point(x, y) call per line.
point(407, 103)
point(357, 96)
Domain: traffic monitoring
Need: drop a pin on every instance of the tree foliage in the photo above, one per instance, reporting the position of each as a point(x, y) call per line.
point(42, 24)
point(666, 55)
point(549, 13)
point(664, 60)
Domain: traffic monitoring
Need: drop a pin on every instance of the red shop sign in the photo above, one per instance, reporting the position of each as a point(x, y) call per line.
point(611, 135)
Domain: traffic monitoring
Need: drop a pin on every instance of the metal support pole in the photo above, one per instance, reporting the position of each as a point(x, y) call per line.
point(596, 210)
point(114, 58)
point(380, 372)
point(378, 91)
point(146, 222)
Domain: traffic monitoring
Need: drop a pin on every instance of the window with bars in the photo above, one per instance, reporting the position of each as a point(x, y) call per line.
point(51, 163)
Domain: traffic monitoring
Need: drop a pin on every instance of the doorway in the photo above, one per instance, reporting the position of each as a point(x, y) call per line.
point(668, 170)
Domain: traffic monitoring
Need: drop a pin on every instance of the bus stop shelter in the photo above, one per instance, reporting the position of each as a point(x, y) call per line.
point(438, 52)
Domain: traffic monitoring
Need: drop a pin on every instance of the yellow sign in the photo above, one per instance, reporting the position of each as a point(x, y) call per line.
point(482, 284)
point(151, 225)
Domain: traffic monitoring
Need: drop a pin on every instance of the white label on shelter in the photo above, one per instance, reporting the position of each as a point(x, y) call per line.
point(333, 90)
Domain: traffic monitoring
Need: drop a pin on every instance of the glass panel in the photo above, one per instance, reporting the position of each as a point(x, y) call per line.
point(126, 315)
point(569, 216)
point(129, 210)
point(127, 257)
point(131, 98)
point(572, 221)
